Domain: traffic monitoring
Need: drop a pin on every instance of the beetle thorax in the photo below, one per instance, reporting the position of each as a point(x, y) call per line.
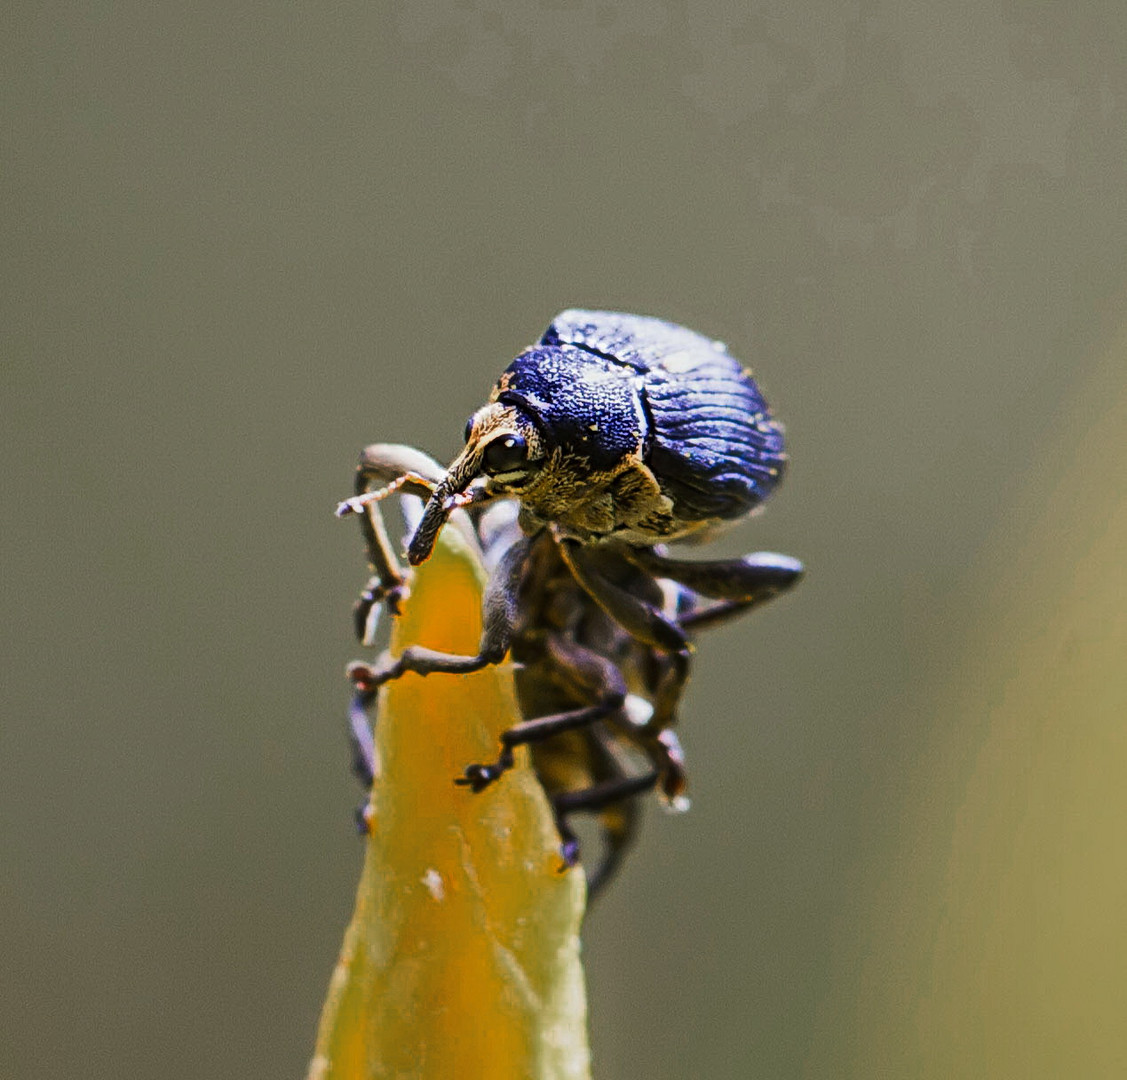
point(625, 502)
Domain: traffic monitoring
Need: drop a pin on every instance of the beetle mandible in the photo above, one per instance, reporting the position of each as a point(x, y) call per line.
point(610, 437)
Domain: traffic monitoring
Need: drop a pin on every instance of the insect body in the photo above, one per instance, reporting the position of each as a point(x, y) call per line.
point(613, 435)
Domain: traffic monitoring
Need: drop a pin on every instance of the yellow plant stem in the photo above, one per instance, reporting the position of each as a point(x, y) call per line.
point(462, 956)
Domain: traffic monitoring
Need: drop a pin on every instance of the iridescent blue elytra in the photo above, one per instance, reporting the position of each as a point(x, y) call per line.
point(707, 434)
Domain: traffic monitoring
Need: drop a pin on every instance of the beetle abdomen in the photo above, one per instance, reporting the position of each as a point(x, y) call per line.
point(712, 442)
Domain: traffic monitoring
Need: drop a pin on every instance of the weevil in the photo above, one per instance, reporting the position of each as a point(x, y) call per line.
point(611, 437)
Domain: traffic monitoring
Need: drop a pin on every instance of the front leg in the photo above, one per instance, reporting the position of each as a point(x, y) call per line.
point(384, 468)
point(499, 610)
point(388, 469)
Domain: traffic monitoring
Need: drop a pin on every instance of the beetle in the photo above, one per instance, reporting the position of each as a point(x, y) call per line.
point(612, 436)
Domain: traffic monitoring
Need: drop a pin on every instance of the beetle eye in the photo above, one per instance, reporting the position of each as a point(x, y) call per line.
point(469, 430)
point(505, 454)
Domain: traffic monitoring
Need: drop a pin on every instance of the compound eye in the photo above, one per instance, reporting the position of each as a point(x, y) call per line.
point(469, 430)
point(506, 454)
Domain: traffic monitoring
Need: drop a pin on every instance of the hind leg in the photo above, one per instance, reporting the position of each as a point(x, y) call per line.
point(613, 801)
point(738, 585)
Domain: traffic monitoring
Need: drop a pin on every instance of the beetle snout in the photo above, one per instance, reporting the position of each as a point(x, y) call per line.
point(462, 472)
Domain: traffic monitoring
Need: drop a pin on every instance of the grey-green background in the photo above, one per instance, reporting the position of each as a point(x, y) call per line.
point(243, 240)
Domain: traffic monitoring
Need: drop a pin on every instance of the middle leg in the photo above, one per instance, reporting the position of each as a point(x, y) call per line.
point(592, 675)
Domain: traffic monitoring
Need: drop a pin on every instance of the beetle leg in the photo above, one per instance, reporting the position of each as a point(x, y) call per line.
point(395, 469)
point(598, 799)
point(658, 740)
point(386, 469)
point(499, 610)
point(388, 583)
point(383, 463)
point(641, 620)
point(410, 483)
point(618, 823)
point(587, 669)
point(615, 803)
point(614, 799)
point(618, 820)
point(637, 617)
point(671, 760)
point(364, 763)
point(738, 584)
point(360, 737)
point(751, 579)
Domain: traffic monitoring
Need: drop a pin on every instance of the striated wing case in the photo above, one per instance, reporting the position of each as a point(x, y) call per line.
point(712, 442)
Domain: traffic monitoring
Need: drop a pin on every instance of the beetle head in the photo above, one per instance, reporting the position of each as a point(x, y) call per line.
point(504, 445)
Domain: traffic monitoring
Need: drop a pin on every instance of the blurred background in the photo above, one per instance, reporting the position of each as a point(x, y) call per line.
point(241, 241)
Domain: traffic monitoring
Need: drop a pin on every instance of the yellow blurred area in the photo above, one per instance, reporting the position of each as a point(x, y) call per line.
point(462, 958)
point(992, 941)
